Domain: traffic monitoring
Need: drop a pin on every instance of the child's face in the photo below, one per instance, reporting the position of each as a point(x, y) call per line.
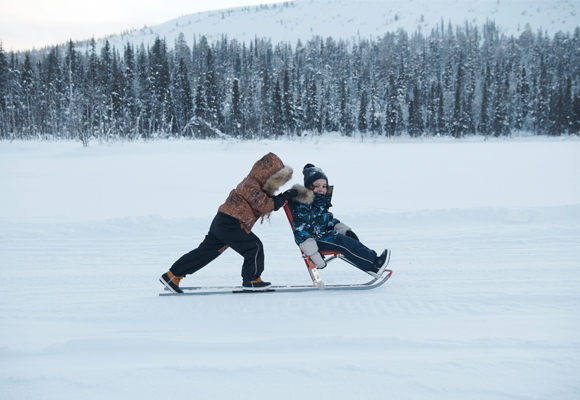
point(320, 186)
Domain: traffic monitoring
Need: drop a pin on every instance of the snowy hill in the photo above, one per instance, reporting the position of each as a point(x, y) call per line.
point(347, 19)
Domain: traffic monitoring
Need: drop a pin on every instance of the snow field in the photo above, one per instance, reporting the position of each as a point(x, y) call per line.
point(483, 302)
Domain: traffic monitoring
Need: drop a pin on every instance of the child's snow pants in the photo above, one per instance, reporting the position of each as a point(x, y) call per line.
point(225, 231)
point(353, 250)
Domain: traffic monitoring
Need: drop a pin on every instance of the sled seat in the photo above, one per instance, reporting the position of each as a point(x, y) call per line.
point(328, 255)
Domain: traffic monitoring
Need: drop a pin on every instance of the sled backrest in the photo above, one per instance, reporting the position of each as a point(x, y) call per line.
point(291, 221)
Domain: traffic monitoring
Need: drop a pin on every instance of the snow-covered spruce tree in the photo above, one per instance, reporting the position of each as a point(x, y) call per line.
point(213, 113)
point(467, 108)
point(74, 98)
point(331, 75)
point(567, 108)
point(265, 125)
point(12, 97)
point(375, 119)
point(182, 51)
point(130, 106)
point(431, 119)
point(4, 122)
point(543, 99)
point(324, 107)
point(277, 110)
point(236, 111)
point(498, 112)
point(458, 124)
point(311, 112)
point(391, 108)
point(522, 99)
point(182, 97)
point(555, 114)
point(103, 98)
point(200, 103)
point(416, 125)
point(161, 82)
point(441, 120)
point(145, 98)
point(485, 127)
point(346, 126)
point(117, 99)
point(28, 83)
point(362, 112)
point(288, 108)
point(90, 89)
point(52, 83)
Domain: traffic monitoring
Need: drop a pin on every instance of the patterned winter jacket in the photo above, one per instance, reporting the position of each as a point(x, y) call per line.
point(251, 198)
point(311, 217)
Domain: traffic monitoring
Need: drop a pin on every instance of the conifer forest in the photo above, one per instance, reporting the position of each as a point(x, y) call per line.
point(456, 81)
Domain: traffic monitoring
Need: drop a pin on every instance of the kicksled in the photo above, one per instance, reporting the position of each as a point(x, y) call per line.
point(317, 282)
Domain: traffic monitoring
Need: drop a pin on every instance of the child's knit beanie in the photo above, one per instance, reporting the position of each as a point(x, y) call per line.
point(312, 174)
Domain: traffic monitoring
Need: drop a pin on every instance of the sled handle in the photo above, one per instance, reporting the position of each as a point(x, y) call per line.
point(288, 214)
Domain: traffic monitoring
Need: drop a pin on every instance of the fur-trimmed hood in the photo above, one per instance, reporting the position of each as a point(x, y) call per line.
point(306, 196)
point(276, 181)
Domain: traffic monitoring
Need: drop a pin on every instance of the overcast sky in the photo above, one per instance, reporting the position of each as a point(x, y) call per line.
point(25, 24)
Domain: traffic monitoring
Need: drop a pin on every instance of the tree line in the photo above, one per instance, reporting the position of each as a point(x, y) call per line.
point(457, 81)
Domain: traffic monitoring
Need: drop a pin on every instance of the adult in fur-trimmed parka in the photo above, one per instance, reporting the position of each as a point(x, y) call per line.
point(315, 228)
point(252, 199)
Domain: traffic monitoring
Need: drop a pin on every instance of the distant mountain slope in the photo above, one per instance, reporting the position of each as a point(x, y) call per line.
point(351, 19)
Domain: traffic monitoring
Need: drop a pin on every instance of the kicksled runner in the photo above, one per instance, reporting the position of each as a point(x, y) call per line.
point(317, 283)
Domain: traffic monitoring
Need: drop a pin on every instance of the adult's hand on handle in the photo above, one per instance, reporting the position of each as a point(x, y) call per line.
point(281, 198)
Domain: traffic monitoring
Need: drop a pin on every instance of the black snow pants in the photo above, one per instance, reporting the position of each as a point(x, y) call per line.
point(353, 250)
point(225, 231)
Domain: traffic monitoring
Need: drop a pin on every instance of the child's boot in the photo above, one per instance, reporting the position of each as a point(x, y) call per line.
point(383, 261)
point(256, 284)
point(171, 281)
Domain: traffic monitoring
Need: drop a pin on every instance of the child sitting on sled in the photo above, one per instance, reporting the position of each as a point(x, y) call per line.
point(232, 226)
point(316, 229)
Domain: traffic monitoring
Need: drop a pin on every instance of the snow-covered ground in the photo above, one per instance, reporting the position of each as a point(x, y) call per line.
point(484, 301)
